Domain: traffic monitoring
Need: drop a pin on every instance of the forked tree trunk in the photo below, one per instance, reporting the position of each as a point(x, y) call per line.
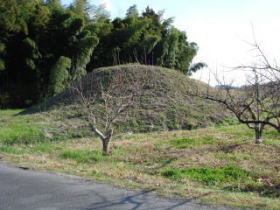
point(106, 145)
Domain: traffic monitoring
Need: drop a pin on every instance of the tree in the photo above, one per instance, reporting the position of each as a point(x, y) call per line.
point(256, 104)
point(55, 3)
point(132, 11)
point(2, 52)
point(105, 101)
point(145, 39)
point(80, 7)
point(195, 67)
point(35, 35)
point(264, 66)
point(59, 76)
point(82, 50)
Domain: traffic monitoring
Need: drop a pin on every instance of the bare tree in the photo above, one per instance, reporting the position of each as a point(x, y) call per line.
point(268, 69)
point(105, 100)
point(257, 104)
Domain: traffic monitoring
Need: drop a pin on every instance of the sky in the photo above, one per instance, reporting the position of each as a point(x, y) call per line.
point(223, 29)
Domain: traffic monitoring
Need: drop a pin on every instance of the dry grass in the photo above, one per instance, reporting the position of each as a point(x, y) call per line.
point(139, 160)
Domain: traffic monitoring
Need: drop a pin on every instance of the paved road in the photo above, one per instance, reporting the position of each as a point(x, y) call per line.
point(27, 190)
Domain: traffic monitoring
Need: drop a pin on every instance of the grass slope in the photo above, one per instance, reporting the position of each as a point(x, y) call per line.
point(218, 165)
point(165, 104)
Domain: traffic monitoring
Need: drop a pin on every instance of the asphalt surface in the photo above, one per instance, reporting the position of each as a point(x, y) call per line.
point(23, 189)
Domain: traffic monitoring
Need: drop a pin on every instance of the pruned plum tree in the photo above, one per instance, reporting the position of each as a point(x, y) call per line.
point(256, 104)
point(106, 101)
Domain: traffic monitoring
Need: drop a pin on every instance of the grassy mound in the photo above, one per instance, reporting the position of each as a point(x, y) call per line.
point(166, 104)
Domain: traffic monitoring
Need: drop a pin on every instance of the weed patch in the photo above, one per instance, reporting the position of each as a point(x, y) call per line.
point(11, 150)
point(211, 176)
point(227, 122)
point(191, 142)
point(21, 134)
point(43, 148)
point(18, 129)
point(82, 156)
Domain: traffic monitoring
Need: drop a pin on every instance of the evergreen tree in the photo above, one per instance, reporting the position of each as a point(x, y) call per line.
point(44, 46)
point(80, 8)
point(2, 59)
point(59, 75)
point(132, 11)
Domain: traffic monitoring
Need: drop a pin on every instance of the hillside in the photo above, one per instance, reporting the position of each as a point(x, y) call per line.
point(166, 104)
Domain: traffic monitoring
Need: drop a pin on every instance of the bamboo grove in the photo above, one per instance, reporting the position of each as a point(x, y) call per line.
point(44, 46)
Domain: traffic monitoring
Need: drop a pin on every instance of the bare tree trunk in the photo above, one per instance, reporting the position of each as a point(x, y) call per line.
point(258, 134)
point(106, 145)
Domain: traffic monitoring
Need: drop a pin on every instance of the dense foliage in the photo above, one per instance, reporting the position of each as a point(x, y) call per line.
point(45, 46)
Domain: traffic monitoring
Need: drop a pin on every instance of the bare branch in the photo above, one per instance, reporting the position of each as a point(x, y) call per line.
point(105, 100)
point(257, 104)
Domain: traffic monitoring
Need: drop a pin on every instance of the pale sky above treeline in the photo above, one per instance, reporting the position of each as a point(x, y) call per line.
point(222, 29)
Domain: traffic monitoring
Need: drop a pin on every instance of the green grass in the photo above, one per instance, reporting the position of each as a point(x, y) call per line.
point(12, 150)
point(18, 130)
point(191, 142)
point(21, 134)
point(43, 148)
point(211, 176)
point(237, 130)
point(82, 156)
point(219, 165)
point(228, 121)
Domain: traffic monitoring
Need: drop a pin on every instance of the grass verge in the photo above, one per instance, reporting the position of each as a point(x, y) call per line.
point(217, 165)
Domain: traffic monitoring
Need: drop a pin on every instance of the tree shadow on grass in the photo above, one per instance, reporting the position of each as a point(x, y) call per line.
point(166, 162)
